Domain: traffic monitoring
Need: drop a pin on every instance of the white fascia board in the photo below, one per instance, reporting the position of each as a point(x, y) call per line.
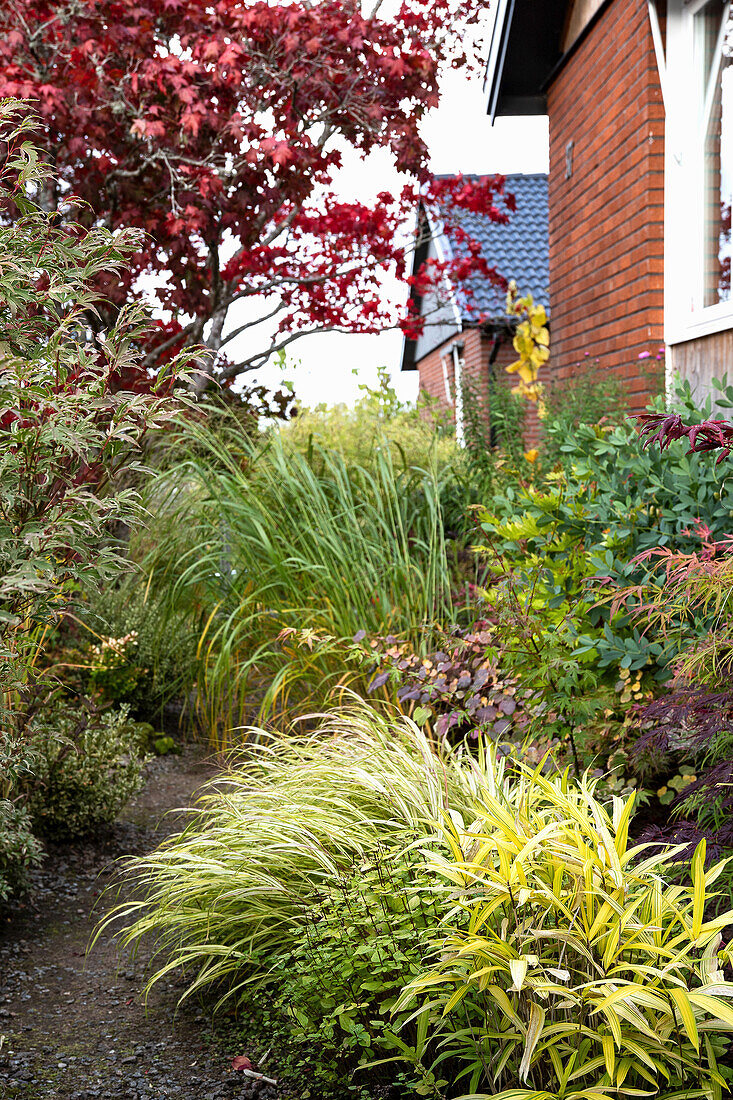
point(497, 55)
point(658, 47)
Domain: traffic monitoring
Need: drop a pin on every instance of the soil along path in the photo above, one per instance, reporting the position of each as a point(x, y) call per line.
point(74, 1023)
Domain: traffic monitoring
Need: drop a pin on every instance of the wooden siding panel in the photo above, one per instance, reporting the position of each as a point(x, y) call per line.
point(702, 360)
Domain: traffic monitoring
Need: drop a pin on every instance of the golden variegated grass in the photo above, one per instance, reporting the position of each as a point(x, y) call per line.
point(571, 967)
point(260, 541)
point(232, 891)
point(567, 966)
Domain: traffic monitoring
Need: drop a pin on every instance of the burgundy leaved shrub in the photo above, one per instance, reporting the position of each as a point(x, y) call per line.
point(666, 428)
point(691, 724)
point(460, 688)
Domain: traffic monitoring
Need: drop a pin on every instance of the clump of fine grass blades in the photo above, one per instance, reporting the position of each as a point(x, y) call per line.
point(283, 557)
point(233, 893)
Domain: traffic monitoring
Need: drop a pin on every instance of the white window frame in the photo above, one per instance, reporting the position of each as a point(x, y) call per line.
point(685, 315)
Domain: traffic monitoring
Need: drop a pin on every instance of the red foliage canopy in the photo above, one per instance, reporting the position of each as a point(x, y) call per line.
point(217, 128)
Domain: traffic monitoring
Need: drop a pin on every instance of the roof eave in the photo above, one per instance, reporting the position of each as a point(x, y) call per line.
point(525, 49)
point(497, 55)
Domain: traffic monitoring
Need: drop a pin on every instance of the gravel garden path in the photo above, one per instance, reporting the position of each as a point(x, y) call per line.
point(73, 1020)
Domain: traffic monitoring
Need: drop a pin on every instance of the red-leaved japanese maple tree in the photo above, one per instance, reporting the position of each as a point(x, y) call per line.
point(218, 127)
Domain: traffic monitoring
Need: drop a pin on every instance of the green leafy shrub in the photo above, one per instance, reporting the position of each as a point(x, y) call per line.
point(496, 463)
point(88, 765)
point(570, 402)
point(19, 848)
point(145, 652)
point(563, 549)
point(570, 966)
point(76, 405)
point(364, 937)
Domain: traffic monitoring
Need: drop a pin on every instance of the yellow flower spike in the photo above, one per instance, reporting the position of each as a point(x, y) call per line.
point(532, 455)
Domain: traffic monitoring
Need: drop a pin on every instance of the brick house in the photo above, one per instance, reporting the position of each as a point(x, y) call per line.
point(454, 350)
point(639, 95)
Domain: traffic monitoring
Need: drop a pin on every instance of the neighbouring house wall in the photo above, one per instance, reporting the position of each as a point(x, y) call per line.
point(477, 349)
point(701, 360)
point(607, 217)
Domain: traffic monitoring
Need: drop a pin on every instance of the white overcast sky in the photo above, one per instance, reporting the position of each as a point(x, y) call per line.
point(329, 368)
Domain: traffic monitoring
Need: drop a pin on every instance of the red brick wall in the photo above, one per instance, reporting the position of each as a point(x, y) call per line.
point(606, 220)
point(477, 349)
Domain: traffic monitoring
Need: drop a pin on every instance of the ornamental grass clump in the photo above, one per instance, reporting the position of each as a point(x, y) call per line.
point(260, 542)
point(235, 891)
point(570, 966)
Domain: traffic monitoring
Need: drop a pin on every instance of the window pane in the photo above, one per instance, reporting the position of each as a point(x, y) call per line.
point(717, 98)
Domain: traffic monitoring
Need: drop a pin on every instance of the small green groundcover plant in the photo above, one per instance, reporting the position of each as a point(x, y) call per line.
point(364, 936)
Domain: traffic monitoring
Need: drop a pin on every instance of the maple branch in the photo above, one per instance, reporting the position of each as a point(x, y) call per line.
point(252, 324)
point(229, 130)
point(259, 359)
point(191, 334)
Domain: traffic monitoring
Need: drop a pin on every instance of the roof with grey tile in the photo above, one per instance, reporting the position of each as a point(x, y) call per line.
point(518, 250)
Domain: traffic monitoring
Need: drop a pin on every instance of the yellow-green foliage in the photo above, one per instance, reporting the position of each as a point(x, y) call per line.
point(415, 436)
point(569, 966)
point(234, 892)
point(551, 559)
point(87, 767)
point(531, 343)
